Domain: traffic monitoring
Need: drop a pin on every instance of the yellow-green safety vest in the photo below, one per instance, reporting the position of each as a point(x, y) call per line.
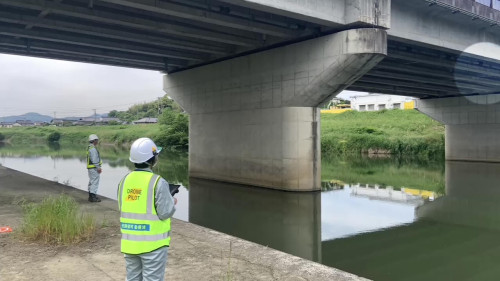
point(141, 228)
point(91, 165)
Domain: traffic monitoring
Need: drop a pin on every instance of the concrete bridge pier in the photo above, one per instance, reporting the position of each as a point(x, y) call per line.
point(254, 119)
point(472, 125)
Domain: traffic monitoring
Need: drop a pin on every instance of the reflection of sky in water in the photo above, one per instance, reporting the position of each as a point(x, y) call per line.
point(343, 214)
point(73, 172)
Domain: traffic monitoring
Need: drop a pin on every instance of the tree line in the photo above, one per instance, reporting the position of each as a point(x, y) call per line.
point(173, 122)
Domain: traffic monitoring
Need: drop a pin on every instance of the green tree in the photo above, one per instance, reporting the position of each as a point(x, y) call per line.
point(174, 130)
point(113, 114)
point(150, 109)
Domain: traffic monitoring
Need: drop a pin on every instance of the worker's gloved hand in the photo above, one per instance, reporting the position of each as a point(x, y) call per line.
point(99, 170)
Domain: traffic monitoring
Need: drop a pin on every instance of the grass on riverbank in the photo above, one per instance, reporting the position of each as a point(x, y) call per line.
point(400, 132)
point(116, 134)
point(57, 220)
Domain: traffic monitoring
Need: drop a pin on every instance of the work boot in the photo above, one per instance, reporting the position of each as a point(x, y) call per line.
point(93, 198)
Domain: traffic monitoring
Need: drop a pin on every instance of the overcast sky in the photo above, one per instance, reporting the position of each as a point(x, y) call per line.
point(75, 89)
point(72, 89)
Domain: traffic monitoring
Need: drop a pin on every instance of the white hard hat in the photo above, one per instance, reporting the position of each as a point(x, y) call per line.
point(142, 150)
point(93, 137)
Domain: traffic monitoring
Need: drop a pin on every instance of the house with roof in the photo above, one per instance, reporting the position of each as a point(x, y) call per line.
point(146, 121)
point(6, 124)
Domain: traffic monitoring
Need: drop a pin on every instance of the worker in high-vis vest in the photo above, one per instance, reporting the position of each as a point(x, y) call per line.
point(146, 207)
point(94, 164)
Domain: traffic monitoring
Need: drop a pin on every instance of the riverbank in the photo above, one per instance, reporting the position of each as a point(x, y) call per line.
point(396, 132)
point(110, 134)
point(197, 253)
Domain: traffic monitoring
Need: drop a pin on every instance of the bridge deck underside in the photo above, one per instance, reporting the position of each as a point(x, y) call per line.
point(175, 35)
point(425, 72)
point(156, 35)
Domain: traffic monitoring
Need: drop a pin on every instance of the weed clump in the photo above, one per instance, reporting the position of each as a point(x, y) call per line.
point(57, 220)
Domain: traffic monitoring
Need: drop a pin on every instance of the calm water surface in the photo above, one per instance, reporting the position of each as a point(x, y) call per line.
point(384, 219)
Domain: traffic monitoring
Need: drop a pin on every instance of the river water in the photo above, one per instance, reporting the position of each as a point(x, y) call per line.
point(383, 219)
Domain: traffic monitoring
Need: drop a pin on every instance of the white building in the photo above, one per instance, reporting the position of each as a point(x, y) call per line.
point(374, 102)
point(146, 121)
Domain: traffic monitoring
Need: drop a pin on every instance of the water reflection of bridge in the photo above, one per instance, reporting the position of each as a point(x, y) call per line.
point(454, 237)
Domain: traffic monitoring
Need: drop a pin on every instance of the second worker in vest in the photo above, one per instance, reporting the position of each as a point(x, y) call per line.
point(94, 164)
point(146, 207)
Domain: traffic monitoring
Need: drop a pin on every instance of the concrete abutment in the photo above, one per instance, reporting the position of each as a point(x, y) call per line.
point(254, 119)
point(472, 125)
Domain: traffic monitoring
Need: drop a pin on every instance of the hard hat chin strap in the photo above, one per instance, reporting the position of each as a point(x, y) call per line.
point(155, 160)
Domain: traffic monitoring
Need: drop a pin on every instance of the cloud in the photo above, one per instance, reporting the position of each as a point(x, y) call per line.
point(69, 88)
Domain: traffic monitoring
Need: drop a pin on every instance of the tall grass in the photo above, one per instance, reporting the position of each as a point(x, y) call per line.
point(400, 132)
point(57, 220)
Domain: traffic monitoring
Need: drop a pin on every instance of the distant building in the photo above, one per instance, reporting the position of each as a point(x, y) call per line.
point(25, 123)
point(374, 102)
point(6, 124)
point(41, 123)
point(57, 121)
point(107, 120)
point(83, 121)
point(146, 121)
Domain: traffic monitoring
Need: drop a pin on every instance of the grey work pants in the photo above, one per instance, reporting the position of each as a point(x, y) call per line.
point(93, 180)
point(147, 267)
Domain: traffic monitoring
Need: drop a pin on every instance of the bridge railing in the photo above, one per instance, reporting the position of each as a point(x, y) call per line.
point(472, 8)
point(495, 4)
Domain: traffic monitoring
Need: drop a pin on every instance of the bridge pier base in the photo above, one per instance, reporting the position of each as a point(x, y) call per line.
point(254, 119)
point(472, 126)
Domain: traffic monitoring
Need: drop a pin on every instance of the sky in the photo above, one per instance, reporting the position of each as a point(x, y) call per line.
point(72, 89)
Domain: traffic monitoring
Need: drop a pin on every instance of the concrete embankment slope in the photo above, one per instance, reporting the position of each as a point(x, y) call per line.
point(196, 253)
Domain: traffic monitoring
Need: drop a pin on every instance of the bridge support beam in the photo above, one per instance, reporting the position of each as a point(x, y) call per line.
point(472, 126)
point(254, 119)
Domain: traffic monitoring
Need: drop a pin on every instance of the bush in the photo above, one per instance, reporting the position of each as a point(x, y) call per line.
point(57, 220)
point(2, 137)
point(54, 137)
point(174, 131)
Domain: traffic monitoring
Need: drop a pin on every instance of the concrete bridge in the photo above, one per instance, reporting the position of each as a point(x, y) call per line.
point(251, 73)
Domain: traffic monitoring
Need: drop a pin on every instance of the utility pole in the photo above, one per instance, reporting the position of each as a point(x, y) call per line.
point(159, 99)
point(95, 117)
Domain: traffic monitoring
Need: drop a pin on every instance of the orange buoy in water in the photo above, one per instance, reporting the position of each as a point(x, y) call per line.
point(5, 229)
